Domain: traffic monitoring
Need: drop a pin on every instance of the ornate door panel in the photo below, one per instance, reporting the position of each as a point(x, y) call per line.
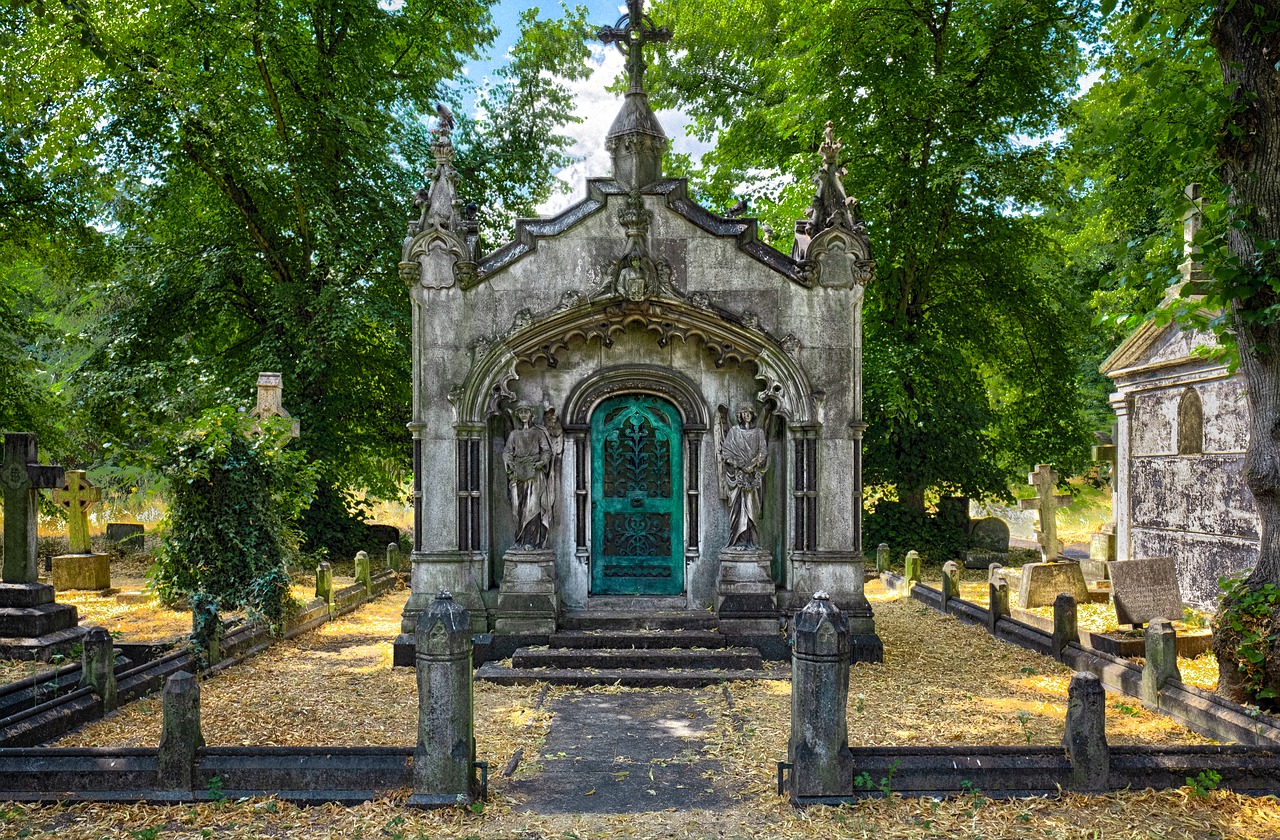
point(637, 524)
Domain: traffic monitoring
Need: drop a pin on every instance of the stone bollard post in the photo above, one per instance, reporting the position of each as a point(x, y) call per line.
point(180, 737)
point(393, 556)
point(98, 666)
point(444, 761)
point(911, 568)
point(206, 628)
point(1161, 664)
point(821, 764)
point(997, 596)
point(950, 582)
point(1086, 733)
point(882, 557)
point(324, 584)
point(1065, 630)
point(362, 574)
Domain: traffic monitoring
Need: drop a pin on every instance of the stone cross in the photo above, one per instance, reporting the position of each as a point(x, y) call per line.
point(76, 496)
point(270, 388)
point(1044, 479)
point(632, 31)
point(23, 477)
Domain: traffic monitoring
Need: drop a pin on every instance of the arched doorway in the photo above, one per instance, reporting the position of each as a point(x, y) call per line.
point(637, 478)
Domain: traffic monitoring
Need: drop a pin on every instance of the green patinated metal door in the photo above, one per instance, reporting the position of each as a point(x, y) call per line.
point(637, 522)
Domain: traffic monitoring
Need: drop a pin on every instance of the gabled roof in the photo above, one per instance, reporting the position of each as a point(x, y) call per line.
point(673, 190)
point(1142, 350)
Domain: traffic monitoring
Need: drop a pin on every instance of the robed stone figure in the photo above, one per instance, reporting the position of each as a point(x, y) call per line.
point(743, 454)
point(529, 457)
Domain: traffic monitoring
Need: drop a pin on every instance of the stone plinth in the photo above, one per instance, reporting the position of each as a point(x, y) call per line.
point(528, 598)
point(1041, 583)
point(746, 596)
point(821, 764)
point(82, 571)
point(32, 626)
point(839, 574)
point(445, 757)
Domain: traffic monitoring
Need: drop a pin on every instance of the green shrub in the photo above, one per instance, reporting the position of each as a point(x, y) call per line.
point(235, 498)
point(905, 530)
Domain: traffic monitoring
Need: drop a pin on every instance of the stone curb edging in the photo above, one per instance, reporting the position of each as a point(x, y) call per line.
point(1200, 711)
point(243, 639)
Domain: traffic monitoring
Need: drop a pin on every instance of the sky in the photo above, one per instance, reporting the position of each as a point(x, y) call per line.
point(594, 104)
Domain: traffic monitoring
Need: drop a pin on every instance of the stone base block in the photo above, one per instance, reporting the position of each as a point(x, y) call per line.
point(528, 598)
point(25, 594)
point(1102, 546)
point(1095, 569)
point(41, 648)
point(976, 559)
point(82, 571)
point(744, 589)
point(1041, 583)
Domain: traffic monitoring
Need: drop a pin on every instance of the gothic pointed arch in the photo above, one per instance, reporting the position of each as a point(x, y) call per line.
point(1190, 423)
point(664, 382)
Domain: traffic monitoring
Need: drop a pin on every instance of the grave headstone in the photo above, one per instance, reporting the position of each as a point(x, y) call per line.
point(1044, 479)
point(1145, 589)
point(126, 534)
point(393, 556)
point(383, 534)
point(950, 582)
point(81, 567)
point(180, 735)
point(362, 574)
point(990, 538)
point(1041, 583)
point(882, 557)
point(31, 624)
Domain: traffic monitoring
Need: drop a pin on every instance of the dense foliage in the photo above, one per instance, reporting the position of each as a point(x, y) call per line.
point(252, 166)
point(236, 494)
point(972, 345)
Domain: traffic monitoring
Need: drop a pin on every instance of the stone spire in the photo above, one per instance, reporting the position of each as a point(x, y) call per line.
point(636, 140)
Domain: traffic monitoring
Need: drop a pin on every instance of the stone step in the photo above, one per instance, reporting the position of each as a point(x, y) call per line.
point(643, 659)
point(623, 639)
point(29, 622)
point(622, 620)
point(636, 678)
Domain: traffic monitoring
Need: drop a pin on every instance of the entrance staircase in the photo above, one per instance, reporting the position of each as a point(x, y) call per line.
point(681, 648)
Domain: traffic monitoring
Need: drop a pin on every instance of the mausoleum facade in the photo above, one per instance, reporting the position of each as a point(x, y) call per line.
point(636, 401)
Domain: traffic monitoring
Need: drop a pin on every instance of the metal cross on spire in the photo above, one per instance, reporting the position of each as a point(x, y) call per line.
point(632, 31)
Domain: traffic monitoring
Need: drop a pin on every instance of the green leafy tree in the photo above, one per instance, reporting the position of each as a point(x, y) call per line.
point(972, 350)
point(261, 158)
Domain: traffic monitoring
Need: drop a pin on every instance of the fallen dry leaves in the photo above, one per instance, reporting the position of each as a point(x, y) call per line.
point(942, 683)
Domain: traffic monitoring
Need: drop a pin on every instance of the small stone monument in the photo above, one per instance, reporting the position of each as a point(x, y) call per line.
point(746, 595)
point(821, 763)
point(1085, 734)
point(1042, 582)
point(270, 402)
point(1161, 664)
point(81, 567)
point(1145, 589)
point(126, 534)
point(444, 774)
point(32, 626)
point(180, 736)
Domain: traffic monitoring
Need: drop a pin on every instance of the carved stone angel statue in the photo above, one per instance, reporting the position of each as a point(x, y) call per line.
point(744, 453)
point(529, 457)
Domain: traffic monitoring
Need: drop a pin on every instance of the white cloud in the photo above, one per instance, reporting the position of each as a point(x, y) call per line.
point(597, 107)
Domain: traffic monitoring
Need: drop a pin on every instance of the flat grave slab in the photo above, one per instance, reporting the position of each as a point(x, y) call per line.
point(624, 753)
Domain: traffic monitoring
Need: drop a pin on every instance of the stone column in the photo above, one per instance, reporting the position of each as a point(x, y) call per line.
point(1120, 505)
point(1085, 736)
point(1065, 628)
point(821, 764)
point(882, 557)
point(98, 666)
point(997, 597)
point(362, 574)
point(324, 583)
point(444, 761)
point(950, 582)
point(180, 737)
point(1161, 664)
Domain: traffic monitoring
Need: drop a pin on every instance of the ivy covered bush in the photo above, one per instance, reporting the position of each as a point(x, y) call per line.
point(237, 490)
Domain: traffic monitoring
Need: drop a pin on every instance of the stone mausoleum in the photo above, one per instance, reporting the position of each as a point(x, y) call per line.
point(637, 403)
point(1182, 431)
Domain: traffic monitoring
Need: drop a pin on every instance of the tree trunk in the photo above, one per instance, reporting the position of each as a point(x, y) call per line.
point(1248, 46)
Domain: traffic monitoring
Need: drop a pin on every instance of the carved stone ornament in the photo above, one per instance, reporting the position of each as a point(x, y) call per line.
point(570, 299)
point(700, 300)
point(437, 245)
point(751, 321)
point(636, 275)
point(523, 318)
point(790, 343)
point(838, 253)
